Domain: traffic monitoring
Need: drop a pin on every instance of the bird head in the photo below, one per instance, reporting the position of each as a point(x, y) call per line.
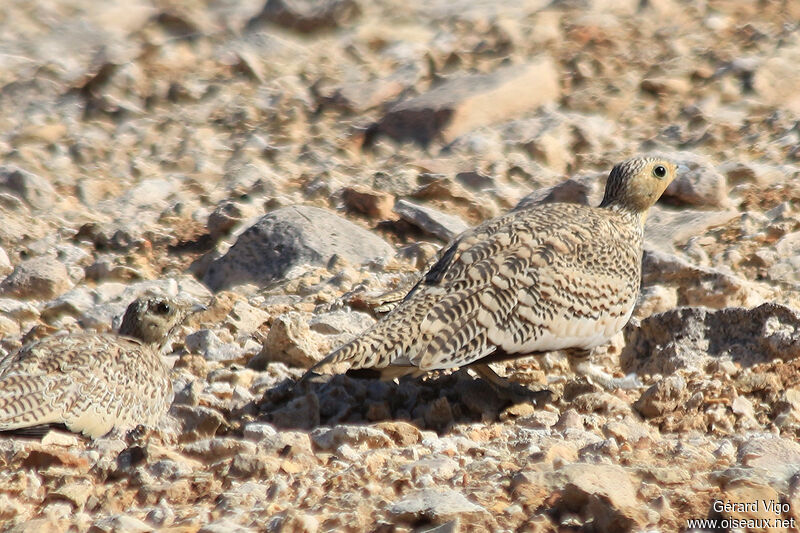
point(637, 183)
point(154, 320)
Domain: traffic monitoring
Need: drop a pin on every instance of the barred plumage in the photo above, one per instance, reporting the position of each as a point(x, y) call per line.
point(548, 277)
point(93, 383)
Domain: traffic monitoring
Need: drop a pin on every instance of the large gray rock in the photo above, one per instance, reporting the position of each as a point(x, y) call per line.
point(691, 337)
point(288, 237)
point(697, 285)
point(666, 228)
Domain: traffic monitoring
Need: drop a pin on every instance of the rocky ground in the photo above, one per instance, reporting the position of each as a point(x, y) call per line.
point(288, 163)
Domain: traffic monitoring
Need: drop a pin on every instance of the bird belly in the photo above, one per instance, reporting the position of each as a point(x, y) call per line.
point(582, 333)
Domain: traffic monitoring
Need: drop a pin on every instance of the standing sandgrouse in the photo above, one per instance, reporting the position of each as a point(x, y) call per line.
point(547, 277)
point(93, 383)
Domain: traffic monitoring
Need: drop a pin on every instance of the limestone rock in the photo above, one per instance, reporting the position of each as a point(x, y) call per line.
point(300, 340)
point(691, 337)
point(435, 505)
point(354, 436)
point(666, 228)
point(696, 285)
point(207, 343)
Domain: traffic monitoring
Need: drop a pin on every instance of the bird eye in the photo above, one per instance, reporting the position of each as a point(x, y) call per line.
point(162, 308)
point(659, 171)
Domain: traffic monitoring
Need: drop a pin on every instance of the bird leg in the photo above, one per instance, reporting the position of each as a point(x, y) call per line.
point(507, 390)
point(581, 364)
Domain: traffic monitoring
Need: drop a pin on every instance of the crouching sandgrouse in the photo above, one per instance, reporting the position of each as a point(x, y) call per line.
point(548, 277)
point(93, 382)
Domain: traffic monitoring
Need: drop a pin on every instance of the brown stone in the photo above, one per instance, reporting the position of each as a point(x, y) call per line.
point(462, 104)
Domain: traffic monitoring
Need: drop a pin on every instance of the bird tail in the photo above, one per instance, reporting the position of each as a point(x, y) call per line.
point(27, 401)
point(394, 340)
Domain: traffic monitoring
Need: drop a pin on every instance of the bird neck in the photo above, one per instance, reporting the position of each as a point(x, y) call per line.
point(633, 218)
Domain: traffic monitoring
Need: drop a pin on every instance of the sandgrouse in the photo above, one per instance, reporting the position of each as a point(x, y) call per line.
point(93, 382)
point(548, 277)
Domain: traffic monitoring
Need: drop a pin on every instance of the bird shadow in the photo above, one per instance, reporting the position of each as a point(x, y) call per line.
point(433, 402)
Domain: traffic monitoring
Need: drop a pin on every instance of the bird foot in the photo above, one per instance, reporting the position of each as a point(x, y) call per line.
point(598, 376)
point(510, 391)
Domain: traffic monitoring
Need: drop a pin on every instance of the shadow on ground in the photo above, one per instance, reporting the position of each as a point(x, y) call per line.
point(431, 402)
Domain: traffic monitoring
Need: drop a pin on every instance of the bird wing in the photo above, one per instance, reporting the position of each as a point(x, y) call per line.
point(531, 284)
point(34, 400)
point(89, 382)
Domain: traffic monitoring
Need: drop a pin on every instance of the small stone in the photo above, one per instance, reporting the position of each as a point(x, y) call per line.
point(374, 204)
point(743, 407)
point(39, 278)
point(307, 16)
point(216, 448)
point(696, 285)
point(439, 413)
point(688, 337)
point(289, 341)
point(35, 190)
point(224, 525)
point(5, 263)
point(120, 523)
point(662, 398)
point(438, 468)
point(429, 220)
point(246, 318)
point(207, 343)
point(743, 494)
point(698, 183)
point(301, 413)
point(666, 228)
point(402, 433)
point(358, 437)
point(738, 172)
point(776, 79)
point(77, 492)
point(197, 421)
point(260, 431)
point(226, 216)
point(771, 454)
